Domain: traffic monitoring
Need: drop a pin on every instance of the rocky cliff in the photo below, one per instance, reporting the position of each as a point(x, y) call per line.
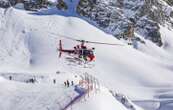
point(115, 16)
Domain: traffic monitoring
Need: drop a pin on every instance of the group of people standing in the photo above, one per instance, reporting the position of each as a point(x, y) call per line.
point(67, 83)
point(29, 80)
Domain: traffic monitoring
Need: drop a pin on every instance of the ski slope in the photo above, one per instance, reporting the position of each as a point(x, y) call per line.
point(29, 44)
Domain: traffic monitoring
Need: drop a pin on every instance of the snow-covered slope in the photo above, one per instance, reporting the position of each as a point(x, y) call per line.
point(32, 40)
point(13, 43)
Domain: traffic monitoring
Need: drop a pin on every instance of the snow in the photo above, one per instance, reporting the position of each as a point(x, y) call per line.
point(99, 100)
point(167, 39)
point(54, 1)
point(33, 97)
point(13, 39)
point(29, 44)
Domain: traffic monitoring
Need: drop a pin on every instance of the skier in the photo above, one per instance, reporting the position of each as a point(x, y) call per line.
point(32, 80)
point(54, 81)
point(68, 83)
point(65, 84)
point(72, 83)
point(10, 77)
point(123, 100)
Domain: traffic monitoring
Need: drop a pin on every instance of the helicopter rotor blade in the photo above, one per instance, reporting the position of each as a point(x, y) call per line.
point(103, 43)
point(85, 41)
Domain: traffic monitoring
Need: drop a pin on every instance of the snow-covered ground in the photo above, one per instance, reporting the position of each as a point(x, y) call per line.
point(28, 44)
point(39, 96)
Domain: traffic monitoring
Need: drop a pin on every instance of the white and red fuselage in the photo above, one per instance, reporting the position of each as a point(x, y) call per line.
point(80, 50)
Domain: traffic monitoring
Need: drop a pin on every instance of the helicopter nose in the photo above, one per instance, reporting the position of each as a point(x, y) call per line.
point(92, 57)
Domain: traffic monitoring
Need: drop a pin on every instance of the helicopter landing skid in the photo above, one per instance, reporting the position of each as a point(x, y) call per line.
point(74, 61)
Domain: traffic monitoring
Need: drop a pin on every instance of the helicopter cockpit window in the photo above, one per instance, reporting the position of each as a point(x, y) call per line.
point(87, 52)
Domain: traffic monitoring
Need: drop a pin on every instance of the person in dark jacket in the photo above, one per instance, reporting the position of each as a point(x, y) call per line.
point(72, 83)
point(10, 77)
point(68, 83)
point(54, 81)
point(65, 83)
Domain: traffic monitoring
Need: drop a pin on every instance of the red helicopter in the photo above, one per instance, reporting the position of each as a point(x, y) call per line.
point(81, 51)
